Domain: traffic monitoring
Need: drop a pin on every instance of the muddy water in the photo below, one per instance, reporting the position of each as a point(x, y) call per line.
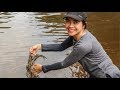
point(21, 30)
point(106, 27)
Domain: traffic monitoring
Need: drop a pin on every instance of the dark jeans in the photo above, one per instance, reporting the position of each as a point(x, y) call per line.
point(98, 73)
point(107, 76)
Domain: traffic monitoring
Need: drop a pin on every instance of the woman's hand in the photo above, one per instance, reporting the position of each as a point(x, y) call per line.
point(34, 49)
point(36, 69)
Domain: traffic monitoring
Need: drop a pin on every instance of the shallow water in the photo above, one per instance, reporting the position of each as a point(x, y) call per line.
point(20, 30)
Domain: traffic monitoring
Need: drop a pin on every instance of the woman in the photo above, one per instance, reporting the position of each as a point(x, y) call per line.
point(86, 50)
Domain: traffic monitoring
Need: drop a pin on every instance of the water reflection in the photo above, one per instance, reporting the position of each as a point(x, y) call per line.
point(106, 27)
point(53, 22)
point(21, 30)
point(5, 18)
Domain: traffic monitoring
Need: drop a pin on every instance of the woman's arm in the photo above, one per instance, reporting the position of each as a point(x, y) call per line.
point(52, 47)
point(58, 47)
point(77, 53)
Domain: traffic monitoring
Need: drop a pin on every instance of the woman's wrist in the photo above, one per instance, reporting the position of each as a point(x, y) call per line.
point(39, 46)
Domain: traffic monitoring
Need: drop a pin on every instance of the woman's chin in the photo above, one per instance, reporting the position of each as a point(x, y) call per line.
point(71, 34)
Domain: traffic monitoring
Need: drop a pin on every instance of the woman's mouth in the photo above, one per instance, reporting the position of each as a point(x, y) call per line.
point(71, 30)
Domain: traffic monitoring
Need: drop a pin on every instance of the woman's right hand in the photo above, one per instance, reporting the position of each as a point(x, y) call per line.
point(34, 49)
point(36, 69)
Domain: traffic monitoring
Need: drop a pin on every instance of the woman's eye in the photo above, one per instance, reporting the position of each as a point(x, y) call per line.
point(67, 21)
point(76, 21)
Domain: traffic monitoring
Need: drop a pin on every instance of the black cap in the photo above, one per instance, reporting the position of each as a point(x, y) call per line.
point(80, 16)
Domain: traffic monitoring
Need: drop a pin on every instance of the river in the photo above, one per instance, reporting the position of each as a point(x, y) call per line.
point(20, 30)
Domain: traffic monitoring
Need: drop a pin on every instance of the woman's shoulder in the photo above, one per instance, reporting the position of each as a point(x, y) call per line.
point(83, 44)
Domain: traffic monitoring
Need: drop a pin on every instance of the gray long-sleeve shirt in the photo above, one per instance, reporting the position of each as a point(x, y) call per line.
point(89, 52)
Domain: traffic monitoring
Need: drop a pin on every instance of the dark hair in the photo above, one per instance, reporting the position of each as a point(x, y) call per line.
point(84, 23)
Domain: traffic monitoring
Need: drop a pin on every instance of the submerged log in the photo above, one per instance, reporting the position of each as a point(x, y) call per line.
point(78, 71)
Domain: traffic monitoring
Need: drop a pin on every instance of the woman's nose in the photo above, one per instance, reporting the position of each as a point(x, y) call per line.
point(71, 24)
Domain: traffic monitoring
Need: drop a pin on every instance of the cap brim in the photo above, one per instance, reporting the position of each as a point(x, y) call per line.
point(73, 16)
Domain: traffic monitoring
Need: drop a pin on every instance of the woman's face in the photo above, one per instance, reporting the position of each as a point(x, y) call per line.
point(74, 27)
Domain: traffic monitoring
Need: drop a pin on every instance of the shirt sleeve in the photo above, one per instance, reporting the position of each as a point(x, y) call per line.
point(77, 54)
point(58, 47)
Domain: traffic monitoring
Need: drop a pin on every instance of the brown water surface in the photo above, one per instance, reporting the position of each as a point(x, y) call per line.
point(20, 30)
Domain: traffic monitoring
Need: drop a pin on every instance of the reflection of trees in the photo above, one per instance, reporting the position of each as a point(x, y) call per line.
point(5, 13)
point(51, 20)
point(4, 18)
